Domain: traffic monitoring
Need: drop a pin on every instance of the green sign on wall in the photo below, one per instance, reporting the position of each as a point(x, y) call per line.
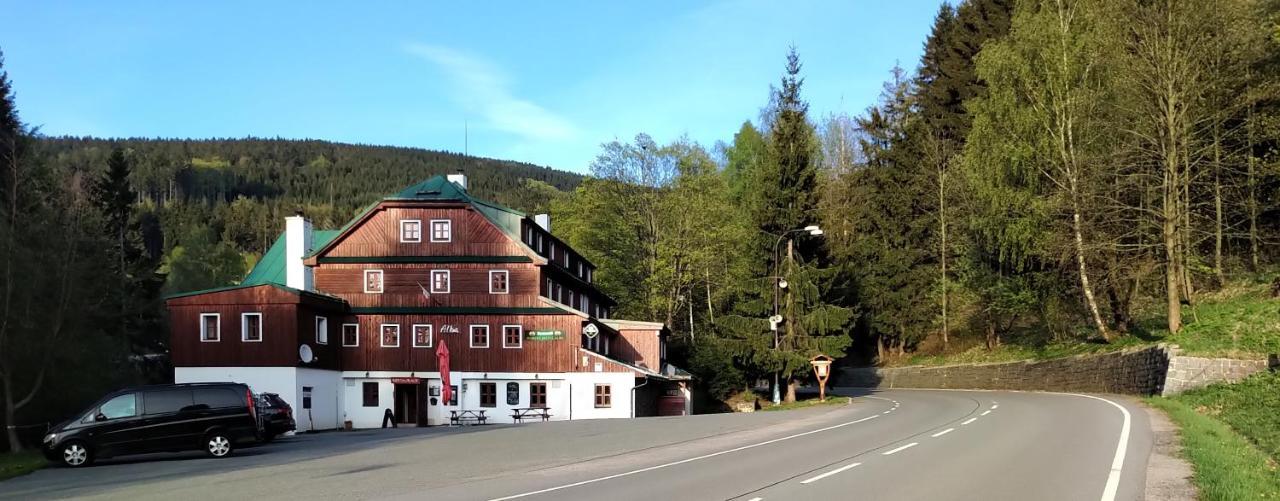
point(545, 335)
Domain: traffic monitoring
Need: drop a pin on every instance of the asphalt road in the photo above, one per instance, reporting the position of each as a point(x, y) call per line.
point(900, 444)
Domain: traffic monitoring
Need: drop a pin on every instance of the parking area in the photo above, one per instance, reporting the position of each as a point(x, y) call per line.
point(61, 482)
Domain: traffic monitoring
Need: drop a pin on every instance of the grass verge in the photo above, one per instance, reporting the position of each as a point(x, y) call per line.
point(808, 402)
point(1231, 435)
point(1227, 466)
point(21, 463)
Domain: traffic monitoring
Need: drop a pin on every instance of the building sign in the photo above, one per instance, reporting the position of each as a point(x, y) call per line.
point(513, 394)
point(405, 380)
point(545, 335)
point(449, 329)
point(591, 331)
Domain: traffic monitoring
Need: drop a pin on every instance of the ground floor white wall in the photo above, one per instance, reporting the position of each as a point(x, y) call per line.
point(337, 397)
point(569, 395)
point(288, 382)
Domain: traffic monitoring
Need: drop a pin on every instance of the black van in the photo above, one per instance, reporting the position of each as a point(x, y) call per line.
point(213, 417)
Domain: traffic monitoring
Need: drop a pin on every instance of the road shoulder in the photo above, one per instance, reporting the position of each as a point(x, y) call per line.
point(1168, 474)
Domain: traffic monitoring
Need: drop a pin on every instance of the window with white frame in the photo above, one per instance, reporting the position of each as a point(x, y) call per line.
point(422, 336)
point(210, 327)
point(251, 327)
point(479, 336)
point(441, 230)
point(410, 231)
point(390, 335)
point(498, 281)
point(512, 336)
point(350, 334)
point(322, 330)
point(440, 281)
point(373, 281)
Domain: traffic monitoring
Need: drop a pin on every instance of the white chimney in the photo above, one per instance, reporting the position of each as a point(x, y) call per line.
point(543, 220)
point(459, 179)
point(297, 245)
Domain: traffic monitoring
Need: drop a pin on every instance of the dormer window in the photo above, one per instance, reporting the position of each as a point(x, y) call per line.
point(441, 230)
point(410, 231)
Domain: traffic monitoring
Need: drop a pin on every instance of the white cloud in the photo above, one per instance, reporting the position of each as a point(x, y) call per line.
point(482, 88)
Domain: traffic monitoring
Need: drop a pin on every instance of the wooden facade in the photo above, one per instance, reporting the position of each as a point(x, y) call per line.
point(535, 285)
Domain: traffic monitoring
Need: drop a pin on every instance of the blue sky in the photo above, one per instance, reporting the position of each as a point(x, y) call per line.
point(542, 82)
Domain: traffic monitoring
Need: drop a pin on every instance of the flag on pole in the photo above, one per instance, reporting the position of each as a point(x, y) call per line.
point(442, 361)
point(426, 295)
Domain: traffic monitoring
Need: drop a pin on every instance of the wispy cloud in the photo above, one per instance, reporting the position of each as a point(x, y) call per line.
point(484, 89)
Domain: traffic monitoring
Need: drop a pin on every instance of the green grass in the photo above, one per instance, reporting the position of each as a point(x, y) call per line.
point(22, 463)
point(1239, 321)
point(805, 403)
point(1251, 407)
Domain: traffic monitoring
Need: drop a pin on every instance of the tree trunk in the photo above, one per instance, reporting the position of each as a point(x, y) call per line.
point(791, 391)
point(1077, 227)
point(1252, 203)
point(1169, 232)
point(10, 415)
point(942, 252)
point(1217, 208)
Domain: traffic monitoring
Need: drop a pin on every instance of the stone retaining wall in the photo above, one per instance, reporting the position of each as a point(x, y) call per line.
point(1137, 371)
point(1187, 373)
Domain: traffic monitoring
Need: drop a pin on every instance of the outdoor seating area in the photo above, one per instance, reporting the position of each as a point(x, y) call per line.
point(467, 417)
point(519, 415)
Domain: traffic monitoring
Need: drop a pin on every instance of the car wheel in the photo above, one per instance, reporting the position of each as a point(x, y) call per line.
point(76, 454)
point(218, 444)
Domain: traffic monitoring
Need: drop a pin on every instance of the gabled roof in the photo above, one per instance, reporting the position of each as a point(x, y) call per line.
point(440, 189)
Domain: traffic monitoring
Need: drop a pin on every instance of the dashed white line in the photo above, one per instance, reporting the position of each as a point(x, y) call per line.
point(943, 432)
point(900, 449)
point(830, 473)
point(995, 406)
point(967, 421)
point(683, 461)
point(985, 413)
point(755, 499)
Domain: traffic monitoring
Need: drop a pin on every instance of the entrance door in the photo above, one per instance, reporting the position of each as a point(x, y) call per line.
point(407, 404)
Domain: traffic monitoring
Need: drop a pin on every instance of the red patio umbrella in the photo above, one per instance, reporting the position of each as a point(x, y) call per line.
point(442, 361)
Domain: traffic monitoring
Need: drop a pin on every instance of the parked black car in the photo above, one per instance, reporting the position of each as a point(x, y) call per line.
point(276, 416)
point(213, 417)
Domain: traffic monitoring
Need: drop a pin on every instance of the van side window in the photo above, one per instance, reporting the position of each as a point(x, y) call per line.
point(165, 402)
point(120, 407)
point(219, 398)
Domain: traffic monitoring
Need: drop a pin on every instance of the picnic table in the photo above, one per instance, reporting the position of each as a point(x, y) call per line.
point(467, 417)
point(519, 415)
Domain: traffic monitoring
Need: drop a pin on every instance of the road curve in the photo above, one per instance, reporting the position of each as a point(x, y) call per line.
point(894, 445)
point(891, 445)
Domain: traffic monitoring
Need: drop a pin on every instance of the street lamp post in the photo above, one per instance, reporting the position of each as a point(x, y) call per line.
point(779, 284)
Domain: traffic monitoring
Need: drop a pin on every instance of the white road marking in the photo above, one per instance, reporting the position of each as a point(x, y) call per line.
point(755, 499)
point(943, 432)
point(967, 421)
point(1117, 462)
point(886, 412)
point(830, 473)
point(903, 448)
point(985, 413)
point(683, 461)
point(995, 406)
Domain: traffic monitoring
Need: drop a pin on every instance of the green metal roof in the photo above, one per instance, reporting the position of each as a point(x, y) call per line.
point(271, 269)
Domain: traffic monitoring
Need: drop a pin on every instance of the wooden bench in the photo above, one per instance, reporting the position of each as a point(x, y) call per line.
point(467, 417)
point(519, 415)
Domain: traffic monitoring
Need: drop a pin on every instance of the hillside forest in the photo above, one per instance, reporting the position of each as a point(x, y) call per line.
point(1050, 171)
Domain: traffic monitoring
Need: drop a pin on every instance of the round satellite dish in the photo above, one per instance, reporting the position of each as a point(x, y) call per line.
point(304, 353)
